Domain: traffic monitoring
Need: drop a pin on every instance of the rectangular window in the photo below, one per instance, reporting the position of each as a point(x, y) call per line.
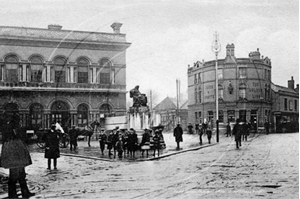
point(199, 77)
point(60, 76)
point(266, 74)
point(196, 117)
point(242, 93)
point(196, 96)
point(230, 116)
point(285, 104)
point(210, 116)
point(195, 79)
point(296, 105)
point(200, 118)
point(82, 77)
point(36, 73)
point(1, 72)
point(104, 78)
point(221, 116)
point(12, 72)
point(220, 74)
point(242, 115)
point(291, 105)
point(199, 94)
point(221, 94)
point(242, 72)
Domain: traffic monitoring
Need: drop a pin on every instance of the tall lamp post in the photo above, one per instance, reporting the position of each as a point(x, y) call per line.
point(216, 48)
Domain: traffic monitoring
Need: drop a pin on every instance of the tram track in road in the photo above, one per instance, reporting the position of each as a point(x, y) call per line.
point(172, 188)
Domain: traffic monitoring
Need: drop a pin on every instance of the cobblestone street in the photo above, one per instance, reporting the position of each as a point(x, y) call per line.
point(265, 166)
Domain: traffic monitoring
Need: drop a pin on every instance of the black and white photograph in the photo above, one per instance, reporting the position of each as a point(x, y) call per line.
point(149, 99)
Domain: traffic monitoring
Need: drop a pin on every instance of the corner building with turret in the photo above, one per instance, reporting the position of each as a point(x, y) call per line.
point(244, 89)
point(72, 77)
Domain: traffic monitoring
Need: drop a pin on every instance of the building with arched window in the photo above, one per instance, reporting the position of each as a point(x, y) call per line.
point(73, 77)
point(244, 87)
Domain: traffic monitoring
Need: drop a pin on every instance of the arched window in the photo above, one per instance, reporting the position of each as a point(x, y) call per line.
point(83, 65)
point(60, 69)
point(36, 68)
point(36, 114)
point(105, 68)
point(106, 110)
point(11, 66)
point(82, 114)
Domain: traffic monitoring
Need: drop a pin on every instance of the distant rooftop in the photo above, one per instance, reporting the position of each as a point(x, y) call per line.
point(55, 32)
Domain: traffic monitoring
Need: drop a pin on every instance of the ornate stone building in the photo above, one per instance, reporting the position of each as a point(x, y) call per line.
point(73, 77)
point(244, 89)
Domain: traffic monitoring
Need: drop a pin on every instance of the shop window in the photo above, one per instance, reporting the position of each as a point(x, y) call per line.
point(221, 116)
point(231, 116)
point(242, 115)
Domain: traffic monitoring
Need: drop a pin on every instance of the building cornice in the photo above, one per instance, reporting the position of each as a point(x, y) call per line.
point(48, 43)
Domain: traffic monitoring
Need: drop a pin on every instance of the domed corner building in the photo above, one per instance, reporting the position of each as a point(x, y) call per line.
point(72, 77)
point(244, 91)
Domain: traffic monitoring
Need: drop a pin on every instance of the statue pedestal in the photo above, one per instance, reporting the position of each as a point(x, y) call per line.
point(139, 117)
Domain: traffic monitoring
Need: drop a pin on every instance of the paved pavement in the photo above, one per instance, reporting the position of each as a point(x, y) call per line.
point(263, 167)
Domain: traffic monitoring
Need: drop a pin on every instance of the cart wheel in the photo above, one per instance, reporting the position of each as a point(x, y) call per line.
point(40, 144)
point(64, 141)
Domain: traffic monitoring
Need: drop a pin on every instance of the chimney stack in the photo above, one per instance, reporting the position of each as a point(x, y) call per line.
point(291, 83)
point(54, 27)
point(116, 27)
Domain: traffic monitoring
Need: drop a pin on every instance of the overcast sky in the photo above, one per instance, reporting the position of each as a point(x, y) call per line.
point(169, 35)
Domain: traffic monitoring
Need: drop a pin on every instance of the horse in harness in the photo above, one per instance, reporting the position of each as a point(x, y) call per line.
point(88, 130)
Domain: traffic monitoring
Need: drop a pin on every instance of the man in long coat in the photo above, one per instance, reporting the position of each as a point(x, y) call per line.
point(237, 132)
point(178, 135)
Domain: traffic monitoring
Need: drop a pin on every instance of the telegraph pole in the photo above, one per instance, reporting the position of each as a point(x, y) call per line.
point(216, 48)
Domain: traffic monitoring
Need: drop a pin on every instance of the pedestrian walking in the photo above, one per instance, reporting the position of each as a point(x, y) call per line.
point(200, 133)
point(209, 134)
point(145, 143)
point(73, 138)
point(14, 155)
point(237, 132)
point(267, 127)
point(245, 131)
point(102, 140)
point(228, 130)
point(52, 146)
point(109, 142)
point(178, 135)
point(190, 128)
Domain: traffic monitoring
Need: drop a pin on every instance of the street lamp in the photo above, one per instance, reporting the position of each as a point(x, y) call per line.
point(216, 48)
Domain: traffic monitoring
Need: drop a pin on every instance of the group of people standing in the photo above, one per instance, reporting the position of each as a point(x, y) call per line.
point(119, 141)
point(204, 129)
point(125, 142)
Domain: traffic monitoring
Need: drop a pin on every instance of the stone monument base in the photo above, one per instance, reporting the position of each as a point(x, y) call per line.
point(139, 117)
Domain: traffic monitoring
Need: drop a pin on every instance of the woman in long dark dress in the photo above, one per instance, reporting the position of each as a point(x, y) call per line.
point(52, 146)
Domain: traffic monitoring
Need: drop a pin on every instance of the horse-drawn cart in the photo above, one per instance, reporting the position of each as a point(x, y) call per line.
point(40, 137)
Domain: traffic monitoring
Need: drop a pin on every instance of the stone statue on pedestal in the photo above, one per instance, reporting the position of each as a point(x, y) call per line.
point(139, 99)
